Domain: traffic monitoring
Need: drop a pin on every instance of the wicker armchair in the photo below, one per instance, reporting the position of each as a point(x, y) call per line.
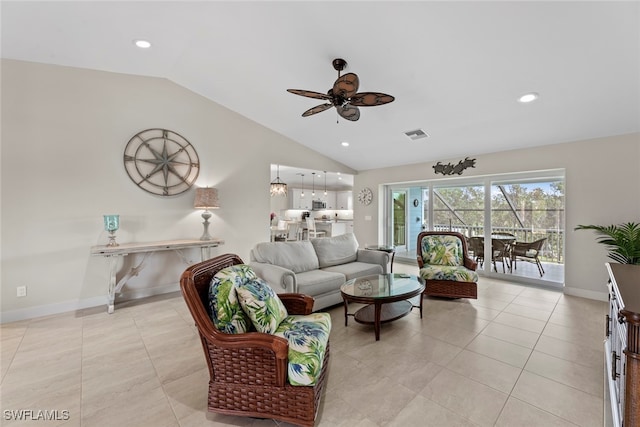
point(455, 279)
point(528, 252)
point(248, 372)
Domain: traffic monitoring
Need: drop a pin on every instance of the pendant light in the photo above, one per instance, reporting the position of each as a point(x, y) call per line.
point(313, 186)
point(278, 188)
point(325, 183)
point(302, 192)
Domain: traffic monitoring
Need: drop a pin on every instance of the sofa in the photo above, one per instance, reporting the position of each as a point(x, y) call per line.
point(316, 267)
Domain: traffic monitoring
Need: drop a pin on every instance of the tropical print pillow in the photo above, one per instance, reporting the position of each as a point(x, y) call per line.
point(225, 309)
point(262, 305)
point(448, 272)
point(308, 337)
point(441, 250)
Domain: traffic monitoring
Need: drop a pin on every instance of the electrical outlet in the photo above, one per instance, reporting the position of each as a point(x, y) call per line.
point(21, 291)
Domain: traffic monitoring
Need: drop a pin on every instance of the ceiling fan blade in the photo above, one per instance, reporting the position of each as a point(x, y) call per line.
point(370, 99)
point(316, 109)
point(346, 86)
point(309, 94)
point(348, 112)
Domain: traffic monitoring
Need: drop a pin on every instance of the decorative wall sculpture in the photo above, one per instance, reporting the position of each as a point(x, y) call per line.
point(450, 169)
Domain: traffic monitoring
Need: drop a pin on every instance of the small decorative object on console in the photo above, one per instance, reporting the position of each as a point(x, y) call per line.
point(111, 224)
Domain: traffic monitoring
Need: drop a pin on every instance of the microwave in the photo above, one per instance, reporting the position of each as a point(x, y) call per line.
point(318, 204)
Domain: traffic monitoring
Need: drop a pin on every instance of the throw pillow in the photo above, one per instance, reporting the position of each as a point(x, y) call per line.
point(262, 305)
point(225, 309)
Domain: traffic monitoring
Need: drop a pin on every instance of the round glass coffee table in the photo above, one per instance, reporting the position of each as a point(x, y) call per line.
point(386, 296)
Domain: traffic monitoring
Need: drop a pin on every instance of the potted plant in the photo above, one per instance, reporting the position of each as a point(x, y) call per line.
point(623, 241)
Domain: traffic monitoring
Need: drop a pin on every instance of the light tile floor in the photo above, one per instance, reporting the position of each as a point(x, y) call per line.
point(516, 356)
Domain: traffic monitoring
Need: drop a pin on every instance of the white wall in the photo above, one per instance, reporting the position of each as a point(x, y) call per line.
point(63, 135)
point(602, 187)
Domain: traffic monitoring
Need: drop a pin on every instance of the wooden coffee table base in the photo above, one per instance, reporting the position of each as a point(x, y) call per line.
point(386, 298)
point(376, 314)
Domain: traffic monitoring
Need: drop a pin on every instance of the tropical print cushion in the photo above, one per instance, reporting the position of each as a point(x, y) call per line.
point(225, 310)
point(308, 337)
point(448, 272)
point(442, 250)
point(262, 304)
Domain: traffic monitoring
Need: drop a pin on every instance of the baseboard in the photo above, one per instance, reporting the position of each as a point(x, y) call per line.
point(577, 292)
point(64, 307)
point(49, 309)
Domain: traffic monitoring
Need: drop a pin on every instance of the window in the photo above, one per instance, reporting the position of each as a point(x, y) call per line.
point(529, 206)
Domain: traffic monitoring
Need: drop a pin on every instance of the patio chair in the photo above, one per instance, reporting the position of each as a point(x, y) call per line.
point(249, 374)
point(500, 253)
point(528, 252)
point(445, 265)
point(500, 250)
point(476, 249)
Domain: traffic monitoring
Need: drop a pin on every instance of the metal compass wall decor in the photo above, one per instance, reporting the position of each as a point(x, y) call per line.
point(161, 162)
point(450, 169)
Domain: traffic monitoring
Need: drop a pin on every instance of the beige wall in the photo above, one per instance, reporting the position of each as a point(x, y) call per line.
point(63, 135)
point(602, 187)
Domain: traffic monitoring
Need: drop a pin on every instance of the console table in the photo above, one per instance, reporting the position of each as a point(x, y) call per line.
point(147, 249)
point(622, 343)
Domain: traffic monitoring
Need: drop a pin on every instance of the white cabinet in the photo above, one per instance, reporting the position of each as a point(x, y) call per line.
point(344, 200)
point(296, 201)
point(334, 200)
point(622, 344)
point(329, 199)
point(349, 227)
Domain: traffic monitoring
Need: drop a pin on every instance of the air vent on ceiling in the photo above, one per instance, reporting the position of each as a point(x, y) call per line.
point(416, 134)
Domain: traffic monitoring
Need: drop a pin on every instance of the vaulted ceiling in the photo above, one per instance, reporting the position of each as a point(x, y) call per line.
point(456, 69)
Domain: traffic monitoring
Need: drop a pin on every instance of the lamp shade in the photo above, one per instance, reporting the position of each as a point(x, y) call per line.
point(206, 198)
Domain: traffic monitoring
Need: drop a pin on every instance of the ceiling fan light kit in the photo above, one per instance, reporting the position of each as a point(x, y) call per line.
point(344, 95)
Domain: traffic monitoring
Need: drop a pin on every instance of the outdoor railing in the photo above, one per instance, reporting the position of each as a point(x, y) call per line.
point(552, 251)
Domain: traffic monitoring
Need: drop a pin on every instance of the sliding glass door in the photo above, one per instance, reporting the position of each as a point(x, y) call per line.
point(399, 220)
point(516, 209)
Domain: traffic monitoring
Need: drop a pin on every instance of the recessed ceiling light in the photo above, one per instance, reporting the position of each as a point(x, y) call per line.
point(142, 44)
point(528, 97)
point(345, 144)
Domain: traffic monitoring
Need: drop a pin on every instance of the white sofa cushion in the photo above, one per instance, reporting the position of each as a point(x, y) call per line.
point(336, 250)
point(318, 282)
point(353, 270)
point(296, 256)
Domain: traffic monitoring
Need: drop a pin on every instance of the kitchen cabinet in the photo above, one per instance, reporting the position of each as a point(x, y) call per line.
point(622, 343)
point(329, 199)
point(296, 201)
point(344, 200)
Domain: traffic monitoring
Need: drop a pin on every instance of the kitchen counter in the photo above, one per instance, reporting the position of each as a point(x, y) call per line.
point(332, 228)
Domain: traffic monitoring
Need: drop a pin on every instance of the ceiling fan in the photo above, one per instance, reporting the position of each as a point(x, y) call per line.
point(344, 95)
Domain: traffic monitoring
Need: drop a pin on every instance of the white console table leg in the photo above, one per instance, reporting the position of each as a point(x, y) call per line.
point(113, 267)
point(113, 288)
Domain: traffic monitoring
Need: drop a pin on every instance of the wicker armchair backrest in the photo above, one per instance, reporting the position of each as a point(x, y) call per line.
point(194, 284)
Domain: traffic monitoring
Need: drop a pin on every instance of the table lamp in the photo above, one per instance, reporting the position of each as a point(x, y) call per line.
point(111, 224)
point(206, 198)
